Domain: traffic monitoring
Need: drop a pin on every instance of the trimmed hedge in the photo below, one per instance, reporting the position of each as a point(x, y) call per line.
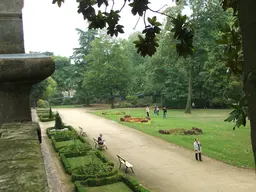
point(95, 182)
point(77, 177)
point(103, 158)
point(65, 164)
point(79, 187)
point(133, 185)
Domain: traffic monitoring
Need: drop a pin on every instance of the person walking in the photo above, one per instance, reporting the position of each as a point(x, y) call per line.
point(198, 150)
point(147, 111)
point(164, 111)
point(157, 110)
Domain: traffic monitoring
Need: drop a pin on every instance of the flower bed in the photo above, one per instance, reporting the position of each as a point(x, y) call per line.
point(193, 131)
point(128, 118)
point(45, 115)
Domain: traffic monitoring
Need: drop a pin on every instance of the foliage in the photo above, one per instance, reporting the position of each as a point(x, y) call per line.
point(229, 147)
point(58, 122)
point(42, 103)
point(108, 71)
point(51, 113)
point(75, 150)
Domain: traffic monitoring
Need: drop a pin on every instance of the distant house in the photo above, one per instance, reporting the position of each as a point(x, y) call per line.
point(69, 94)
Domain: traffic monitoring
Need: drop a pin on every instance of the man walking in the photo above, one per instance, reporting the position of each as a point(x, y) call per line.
point(198, 150)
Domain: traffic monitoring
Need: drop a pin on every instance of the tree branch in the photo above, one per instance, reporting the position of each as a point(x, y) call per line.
point(136, 23)
point(113, 5)
point(157, 11)
point(123, 6)
point(144, 19)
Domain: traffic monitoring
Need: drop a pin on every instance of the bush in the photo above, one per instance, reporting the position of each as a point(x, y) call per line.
point(80, 177)
point(133, 99)
point(79, 187)
point(93, 182)
point(51, 116)
point(65, 163)
point(58, 122)
point(64, 136)
point(123, 104)
point(42, 103)
point(133, 185)
point(75, 150)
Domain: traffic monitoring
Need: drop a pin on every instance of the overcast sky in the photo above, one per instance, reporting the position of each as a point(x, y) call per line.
point(50, 28)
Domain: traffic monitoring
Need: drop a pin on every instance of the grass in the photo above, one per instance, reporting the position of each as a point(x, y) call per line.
point(218, 140)
point(68, 106)
point(67, 143)
point(84, 160)
point(116, 187)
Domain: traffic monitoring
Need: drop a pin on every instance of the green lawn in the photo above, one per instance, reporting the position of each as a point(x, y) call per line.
point(217, 141)
point(68, 106)
point(84, 160)
point(67, 143)
point(116, 187)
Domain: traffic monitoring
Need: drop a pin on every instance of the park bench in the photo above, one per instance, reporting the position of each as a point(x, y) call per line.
point(82, 133)
point(126, 163)
point(99, 146)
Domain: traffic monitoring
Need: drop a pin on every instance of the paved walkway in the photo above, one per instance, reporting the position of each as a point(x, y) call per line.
point(161, 166)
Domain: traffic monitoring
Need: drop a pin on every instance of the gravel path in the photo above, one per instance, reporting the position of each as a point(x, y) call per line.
point(162, 166)
point(54, 182)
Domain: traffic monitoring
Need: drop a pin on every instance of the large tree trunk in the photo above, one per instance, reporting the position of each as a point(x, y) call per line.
point(247, 18)
point(112, 99)
point(188, 106)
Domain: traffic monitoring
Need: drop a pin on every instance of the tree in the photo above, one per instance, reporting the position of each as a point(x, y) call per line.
point(85, 39)
point(247, 19)
point(107, 73)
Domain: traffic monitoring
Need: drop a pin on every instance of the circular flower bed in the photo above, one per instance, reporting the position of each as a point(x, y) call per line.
point(193, 131)
point(128, 118)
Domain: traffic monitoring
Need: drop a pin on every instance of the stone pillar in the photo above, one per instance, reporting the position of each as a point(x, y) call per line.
point(11, 28)
point(18, 71)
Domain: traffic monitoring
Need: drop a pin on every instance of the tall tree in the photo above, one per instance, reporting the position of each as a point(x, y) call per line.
point(108, 72)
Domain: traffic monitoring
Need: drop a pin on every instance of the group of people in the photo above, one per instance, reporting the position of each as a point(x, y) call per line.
point(156, 111)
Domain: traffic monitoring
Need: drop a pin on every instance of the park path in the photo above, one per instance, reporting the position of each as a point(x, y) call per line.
point(159, 165)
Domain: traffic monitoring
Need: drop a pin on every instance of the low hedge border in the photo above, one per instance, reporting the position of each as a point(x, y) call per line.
point(133, 185)
point(94, 182)
point(77, 177)
point(46, 119)
point(65, 163)
point(103, 158)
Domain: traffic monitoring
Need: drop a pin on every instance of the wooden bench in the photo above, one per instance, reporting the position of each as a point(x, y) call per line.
point(126, 163)
point(82, 133)
point(99, 146)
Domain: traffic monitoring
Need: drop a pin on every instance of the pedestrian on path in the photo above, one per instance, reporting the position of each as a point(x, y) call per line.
point(198, 150)
point(164, 111)
point(147, 111)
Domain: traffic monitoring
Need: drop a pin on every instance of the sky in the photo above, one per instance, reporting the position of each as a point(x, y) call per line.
point(50, 28)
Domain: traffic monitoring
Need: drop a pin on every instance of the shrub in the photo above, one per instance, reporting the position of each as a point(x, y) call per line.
point(123, 104)
point(93, 182)
point(64, 135)
point(75, 150)
point(42, 103)
point(65, 163)
point(79, 187)
point(51, 116)
point(58, 122)
point(133, 99)
point(133, 185)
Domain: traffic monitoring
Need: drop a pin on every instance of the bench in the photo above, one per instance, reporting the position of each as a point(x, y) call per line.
point(99, 146)
point(126, 163)
point(82, 133)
